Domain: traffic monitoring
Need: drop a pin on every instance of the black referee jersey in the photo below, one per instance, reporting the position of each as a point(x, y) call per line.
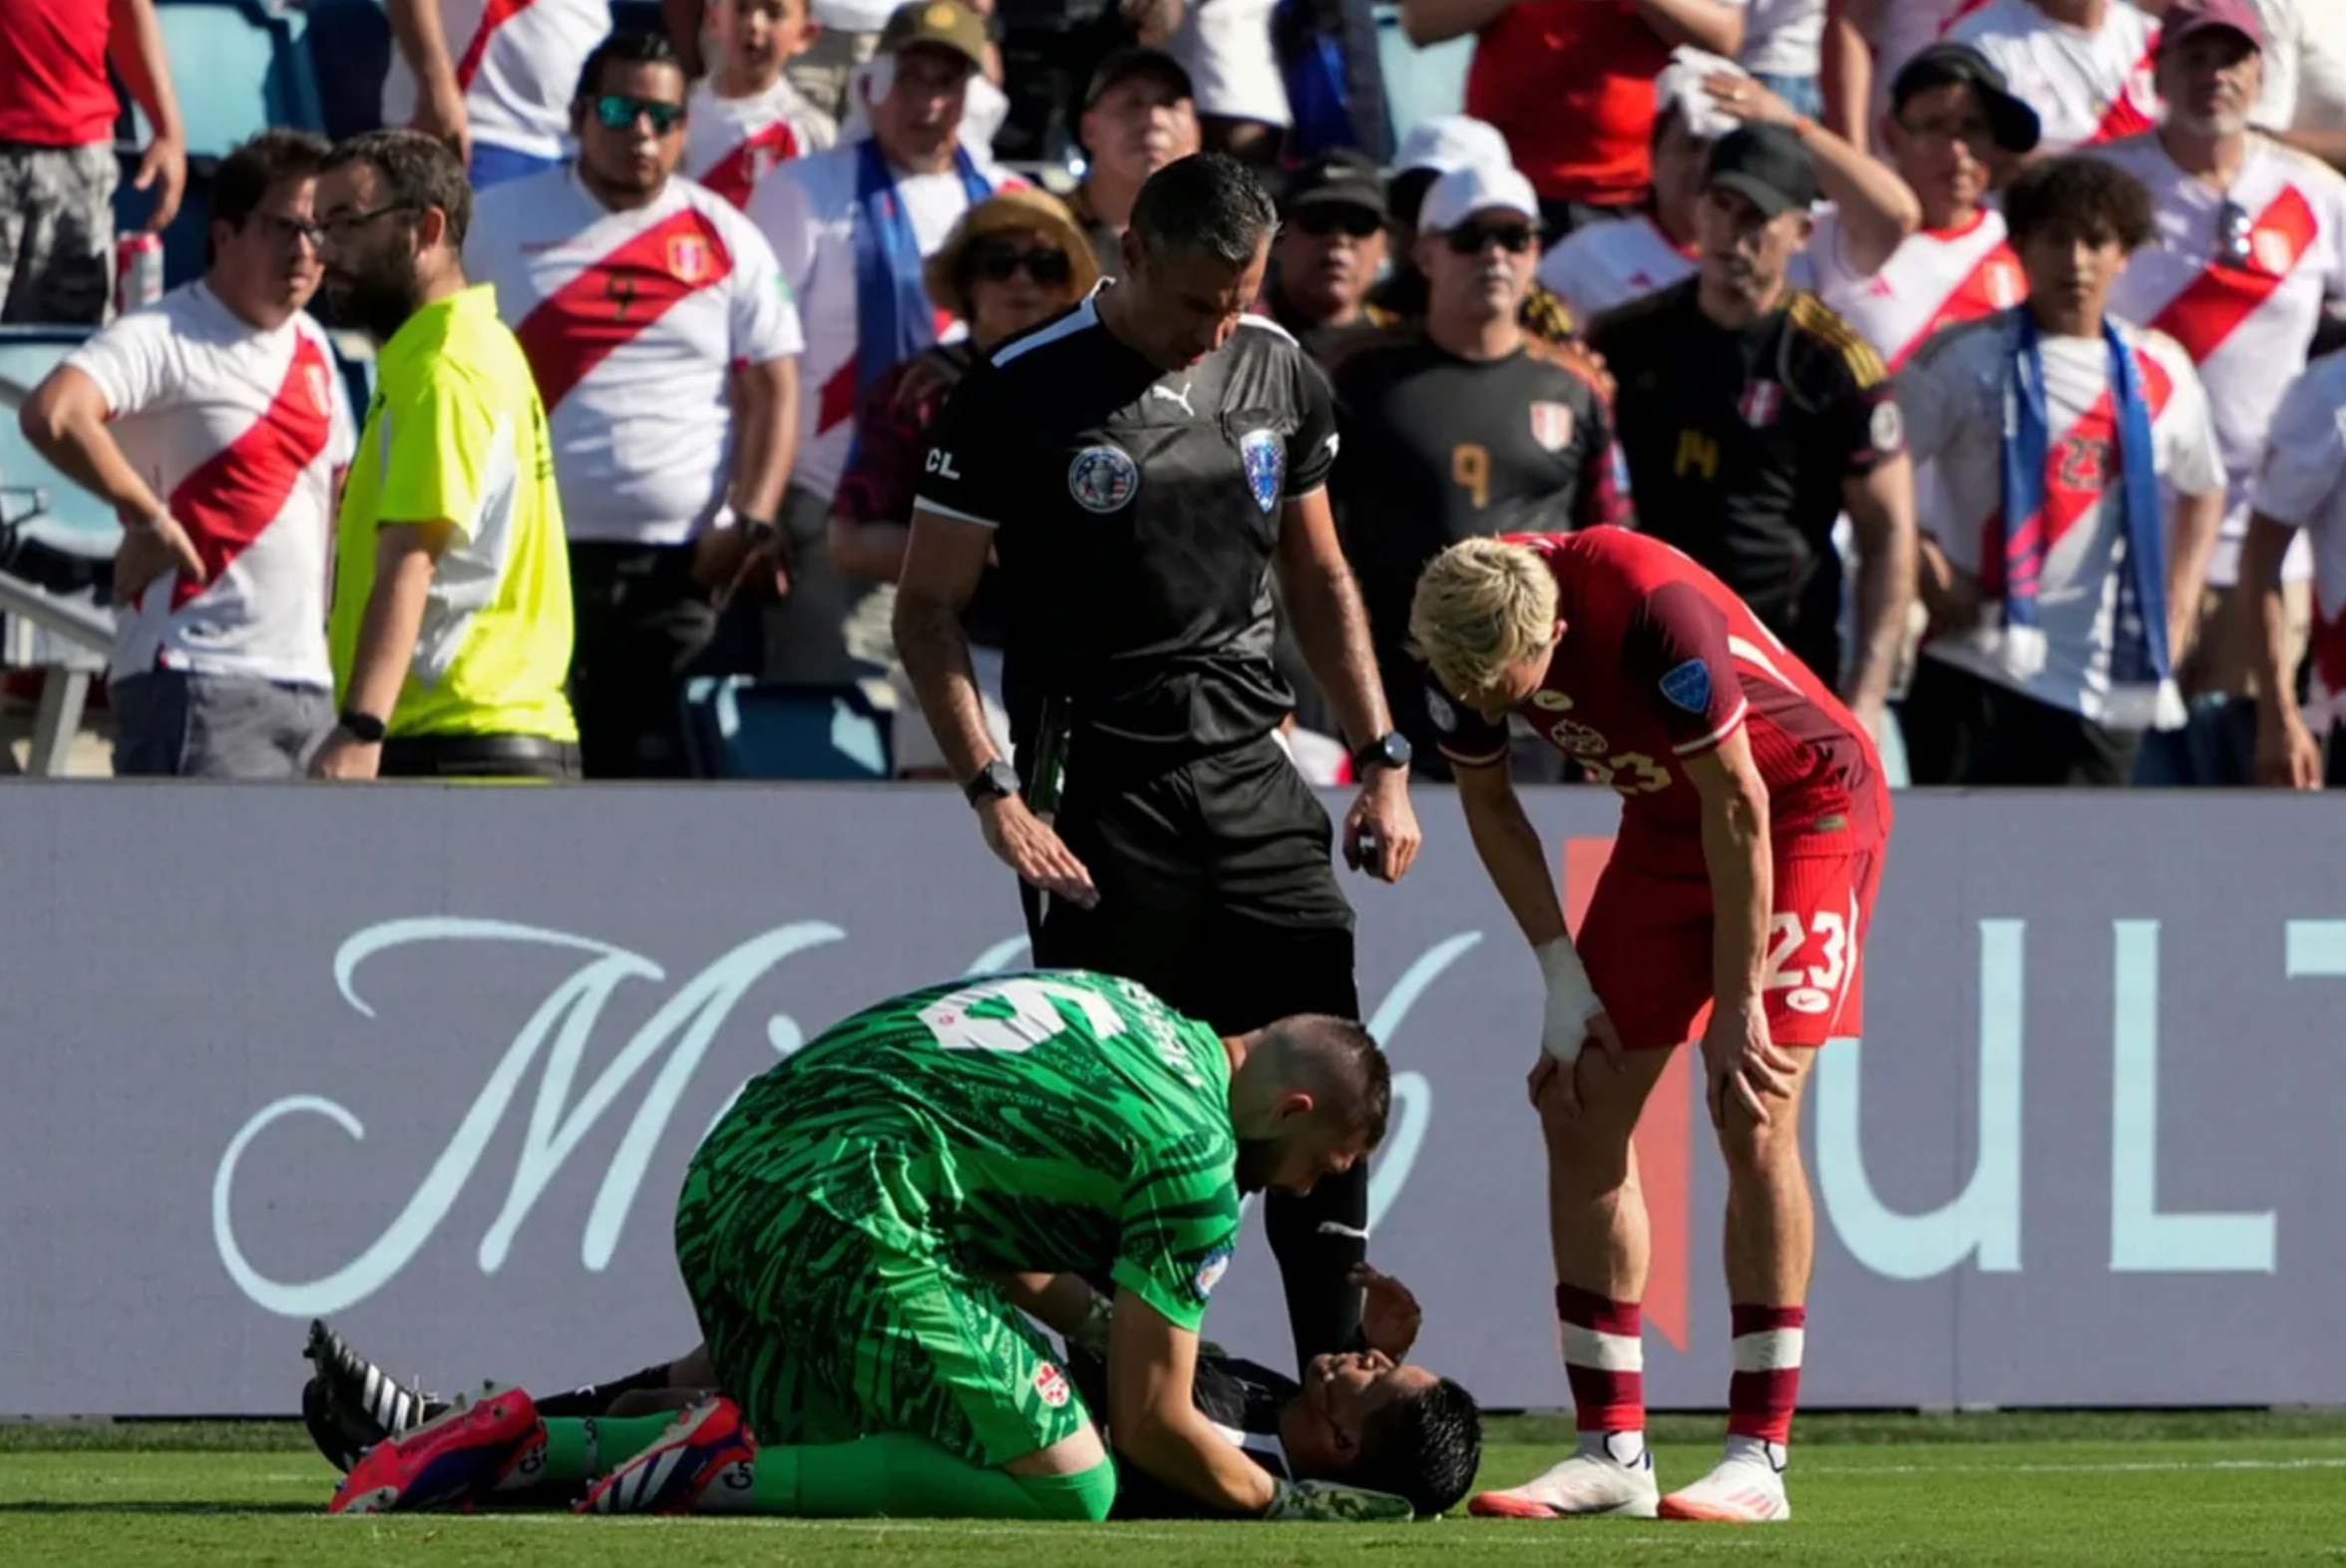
point(1243, 1400)
point(1136, 513)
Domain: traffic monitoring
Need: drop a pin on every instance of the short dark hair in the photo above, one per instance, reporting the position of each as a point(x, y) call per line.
point(244, 177)
point(635, 46)
point(2079, 196)
point(1340, 1057)
point(416, 171)
point(1425, 1446)
point(1206, 202)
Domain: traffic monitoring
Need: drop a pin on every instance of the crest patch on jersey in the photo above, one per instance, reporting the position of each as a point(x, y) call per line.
point(1577, 738)
point(1887, 428)
point(688, 258)
point(1051, 1386)
point(313, 377)
point(1264, 456)
point(1439, 709)
point(1688, 686)
point(1761, 402)
point(1210, 1272)
point(1551, 425)
point(1103, 479)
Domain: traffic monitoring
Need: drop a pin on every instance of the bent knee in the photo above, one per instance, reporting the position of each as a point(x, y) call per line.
point(1756, 1153)
point(1586, 1156)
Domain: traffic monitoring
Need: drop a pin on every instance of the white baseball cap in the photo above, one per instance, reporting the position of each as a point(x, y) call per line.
point(1448, 141)
point(1476, 188)
point(1680, 87)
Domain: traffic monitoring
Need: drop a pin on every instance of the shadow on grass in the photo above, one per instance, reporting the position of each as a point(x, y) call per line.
point(155, 1509)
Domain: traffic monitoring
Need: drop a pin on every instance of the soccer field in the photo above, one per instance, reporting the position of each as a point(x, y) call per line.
point(2055, 1489)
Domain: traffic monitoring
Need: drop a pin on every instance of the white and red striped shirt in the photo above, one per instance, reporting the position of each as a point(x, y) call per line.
point(809, 213)
point(518, 62)
point(1952, 394)
point(2245, 327)
point(1904, 29)
point(1607, 264)
point(731, 143)
point(2088, 87)
point(1935, 279)
point(2302, 482)
point(242, 432)
point(632, 323)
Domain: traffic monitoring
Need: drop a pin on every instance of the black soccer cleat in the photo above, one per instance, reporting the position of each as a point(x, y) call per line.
point(349, 1404)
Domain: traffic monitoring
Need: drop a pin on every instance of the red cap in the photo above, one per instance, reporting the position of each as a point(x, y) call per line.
point(2197, 16)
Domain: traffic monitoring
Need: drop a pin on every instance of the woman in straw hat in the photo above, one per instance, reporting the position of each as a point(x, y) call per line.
point(1010, 263)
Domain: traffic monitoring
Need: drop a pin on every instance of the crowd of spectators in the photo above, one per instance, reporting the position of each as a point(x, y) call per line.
point(1749, 276)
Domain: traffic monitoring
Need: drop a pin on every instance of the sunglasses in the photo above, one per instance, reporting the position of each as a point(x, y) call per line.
point(1321, 222)
point(1001, 263)
point(1467, 239)
point(618, 112)
point(2236, 233)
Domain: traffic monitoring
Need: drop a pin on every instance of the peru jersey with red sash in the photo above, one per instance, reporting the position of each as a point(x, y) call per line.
point(2087, 87)
point(517, 63)
point(2242, 304)
point(730, 143)
point(2301, 483)
point(242, 432)
point(1660, 662)
point(632, 323)
point(1952, 393)
point(1936, 279)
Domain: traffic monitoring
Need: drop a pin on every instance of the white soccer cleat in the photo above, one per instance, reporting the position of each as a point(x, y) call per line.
point(1592, 1483)
point(1742, 1490)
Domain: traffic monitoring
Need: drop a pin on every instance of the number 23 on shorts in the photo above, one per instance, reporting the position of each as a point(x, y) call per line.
point(1812, 961)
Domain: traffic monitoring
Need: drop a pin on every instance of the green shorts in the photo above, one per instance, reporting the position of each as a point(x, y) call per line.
point(824, 1331)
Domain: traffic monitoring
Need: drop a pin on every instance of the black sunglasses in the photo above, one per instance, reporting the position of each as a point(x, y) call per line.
point(1321, 222)
point(1467, 239)
point(618, 112)
point(2235, 234)
point(1001, 263)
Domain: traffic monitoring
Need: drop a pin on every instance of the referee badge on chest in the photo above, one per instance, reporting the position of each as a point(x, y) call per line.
point(1265, 456)
point(1761, 402)
point(1103, 479)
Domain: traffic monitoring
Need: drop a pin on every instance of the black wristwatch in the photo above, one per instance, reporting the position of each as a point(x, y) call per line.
point(759, 531)
point(364, 728)
point(998, 780)
point(1389, 750)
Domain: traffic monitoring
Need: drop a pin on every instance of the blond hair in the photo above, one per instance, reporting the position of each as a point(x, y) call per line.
point(1481, 606)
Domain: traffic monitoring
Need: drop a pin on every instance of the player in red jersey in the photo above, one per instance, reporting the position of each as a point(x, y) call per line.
point(1752, 824)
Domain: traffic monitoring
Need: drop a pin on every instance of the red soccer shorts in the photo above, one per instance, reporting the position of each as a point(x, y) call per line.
point(1647, 944)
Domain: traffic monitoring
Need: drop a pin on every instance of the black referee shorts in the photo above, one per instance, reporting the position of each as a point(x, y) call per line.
point(1216, 889)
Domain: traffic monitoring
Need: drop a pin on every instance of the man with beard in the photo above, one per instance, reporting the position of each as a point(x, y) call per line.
point(862, 1226)
point(1466, 428)
point(1138, 116)
point(451, 622)
point(1750, 416)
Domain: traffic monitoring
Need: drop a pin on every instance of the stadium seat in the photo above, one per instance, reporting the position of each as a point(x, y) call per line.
point(738, 727)
point(53, 529)
point(1419, 83)
point(238, 68)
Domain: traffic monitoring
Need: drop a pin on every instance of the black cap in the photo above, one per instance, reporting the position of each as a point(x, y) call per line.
point(1122, 64)
point(1768, 166)
point(1340, 177)
point(2014, 123)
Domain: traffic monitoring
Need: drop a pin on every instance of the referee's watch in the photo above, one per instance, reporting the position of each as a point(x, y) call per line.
point(998, 780)
point(1389, 750)
point(364, 728)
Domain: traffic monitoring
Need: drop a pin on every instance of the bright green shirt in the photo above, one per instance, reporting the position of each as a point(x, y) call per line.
point(456, 434)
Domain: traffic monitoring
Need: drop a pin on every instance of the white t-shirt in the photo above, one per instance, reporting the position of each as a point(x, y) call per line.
point(242, 433)
point(1225, 46)
point(517, 64)
point(2321, 67)
point(731, 143)
point(2088, 87)
point(2245, 328)
point(1607, 264)
point(1952, 394)
point(2302, 482)
point(1904, 29)
point(808, 213)
point(1935, 279)
point(633, 322)
point(1781, 37)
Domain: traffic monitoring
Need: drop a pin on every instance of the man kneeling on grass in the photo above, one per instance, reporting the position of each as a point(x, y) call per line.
point(1364, 1417)
point(844, 1231)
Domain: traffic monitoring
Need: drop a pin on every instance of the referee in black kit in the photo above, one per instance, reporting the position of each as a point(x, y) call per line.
point(1138, 467)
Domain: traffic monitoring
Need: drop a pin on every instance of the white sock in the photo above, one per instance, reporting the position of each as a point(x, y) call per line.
point(1623, 1448)
point(1757, 1450)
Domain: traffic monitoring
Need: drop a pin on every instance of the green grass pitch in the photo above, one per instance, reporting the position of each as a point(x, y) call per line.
point(2081, 1491)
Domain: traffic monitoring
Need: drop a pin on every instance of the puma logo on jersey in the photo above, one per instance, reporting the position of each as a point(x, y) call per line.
point(1181, 396)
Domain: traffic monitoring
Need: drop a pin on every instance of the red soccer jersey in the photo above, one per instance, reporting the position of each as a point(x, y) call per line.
point(1660, 662)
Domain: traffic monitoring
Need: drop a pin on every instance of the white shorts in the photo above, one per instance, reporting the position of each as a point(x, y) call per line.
point(915, 747)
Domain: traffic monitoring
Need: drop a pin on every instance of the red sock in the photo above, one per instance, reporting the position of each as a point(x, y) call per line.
point(1604, 1361)
point(1766, 1380)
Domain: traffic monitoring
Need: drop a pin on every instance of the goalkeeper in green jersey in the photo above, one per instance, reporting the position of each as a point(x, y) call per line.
point(844, 1228)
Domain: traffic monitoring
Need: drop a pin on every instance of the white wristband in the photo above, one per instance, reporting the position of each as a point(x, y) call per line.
point(1572, 1001)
